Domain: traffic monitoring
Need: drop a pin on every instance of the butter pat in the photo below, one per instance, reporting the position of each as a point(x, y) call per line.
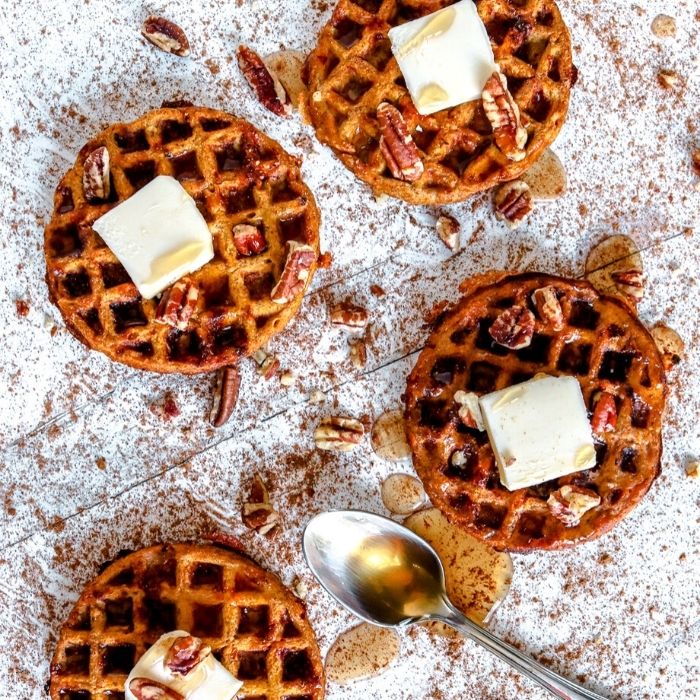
point(445, 57)
point(539, 430)
point(158, 235)
point(209, 680)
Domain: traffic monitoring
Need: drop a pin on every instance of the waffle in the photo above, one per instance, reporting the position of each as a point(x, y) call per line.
point(236, 175)
point(601, 343)
point(352, 71)
point(256, 628)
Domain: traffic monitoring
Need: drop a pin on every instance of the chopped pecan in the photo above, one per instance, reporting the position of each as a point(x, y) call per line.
point(503, 113)
point(266, 85)
point(570, 503)
point(300, 260)
point(668, 79)
point(177, 304)
point(166, 35)
point(448, 230)
point(146, 689)
point(513, 202)
point(96, 180)
point(248, 240)
point(630, 283)
point(604, 414)
point(257, 512)
point(548, 307)
point(228, 384)
point(347, 315)
point(692, 469)
point(469, 411)
point(268, 364)
point(358, 352)
point(396, 144)
point(513, 328)
point(185, 654)
point(695, 158)
point(338, 434)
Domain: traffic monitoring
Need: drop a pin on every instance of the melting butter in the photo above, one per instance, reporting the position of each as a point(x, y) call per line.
point(162, 265)
point(431, 94)
point(439, 24)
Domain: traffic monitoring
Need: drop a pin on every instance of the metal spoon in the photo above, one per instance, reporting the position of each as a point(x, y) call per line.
point(385, 574)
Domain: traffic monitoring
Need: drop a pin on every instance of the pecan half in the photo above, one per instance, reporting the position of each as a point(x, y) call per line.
point(502, 111)
point(347, 315)
point(513, 328)
point(96, 180)
point(248, 240)
point(548, 307)
point(300, 259)
point(178, 304)
point(396, 144)
point(630, 283)
point(338, 434)
point(257, 513)
point(268, 364)
point(265, 84)
point(228, 385)
point(185, 654)
point(469, 411)
point(570, 503)
point(166, 35)
point(146, 689)
point(448, 229)
point(604, 414)
point(512, 202)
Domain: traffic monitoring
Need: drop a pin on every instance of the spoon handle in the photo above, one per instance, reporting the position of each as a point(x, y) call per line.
point(557, 685)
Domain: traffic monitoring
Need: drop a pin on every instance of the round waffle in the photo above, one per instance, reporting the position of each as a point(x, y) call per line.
point(256, 628)
point(352, 71)
point(237, 175)
point(601, 343)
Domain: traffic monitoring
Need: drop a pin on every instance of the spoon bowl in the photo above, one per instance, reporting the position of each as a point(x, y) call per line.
point(389, 576)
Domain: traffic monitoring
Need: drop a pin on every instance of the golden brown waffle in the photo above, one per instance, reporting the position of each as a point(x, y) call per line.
point(237, 175)
point(352, 71)
point(601, 343)
point(256, 628)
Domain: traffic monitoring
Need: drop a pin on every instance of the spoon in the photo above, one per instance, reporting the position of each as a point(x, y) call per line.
point(388, 576)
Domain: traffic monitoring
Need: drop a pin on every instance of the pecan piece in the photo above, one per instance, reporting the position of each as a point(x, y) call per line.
point(570, 503)
point(228, 385)
point(297, 266)
point(257, 512)
point(178, 304)
point(695, 158)
point(469, 411)
point(668, 79)
point(338, 434)
point(448, 230)
point(513, 328)
point(347, 315)
point(248, 240)
point(166, 35)
point(502, 111)
point(396, 144)
point(513, 202)
point(185, 654)
point(268, 364)
point(630, 283)
point(96, 180)
point(604, 414)
point(265, 84)
point(548, 307)
point(146, 689)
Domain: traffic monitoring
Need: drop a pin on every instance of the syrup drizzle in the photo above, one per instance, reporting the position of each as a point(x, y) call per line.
point(403, 494)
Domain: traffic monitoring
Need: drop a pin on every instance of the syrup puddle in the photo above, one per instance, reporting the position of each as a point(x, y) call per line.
point(389, 437)
point(546, 178)
point(403, 494)
point(477, 576)
point(361, 652)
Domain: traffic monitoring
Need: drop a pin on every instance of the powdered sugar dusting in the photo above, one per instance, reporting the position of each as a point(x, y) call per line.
point(93, 463)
